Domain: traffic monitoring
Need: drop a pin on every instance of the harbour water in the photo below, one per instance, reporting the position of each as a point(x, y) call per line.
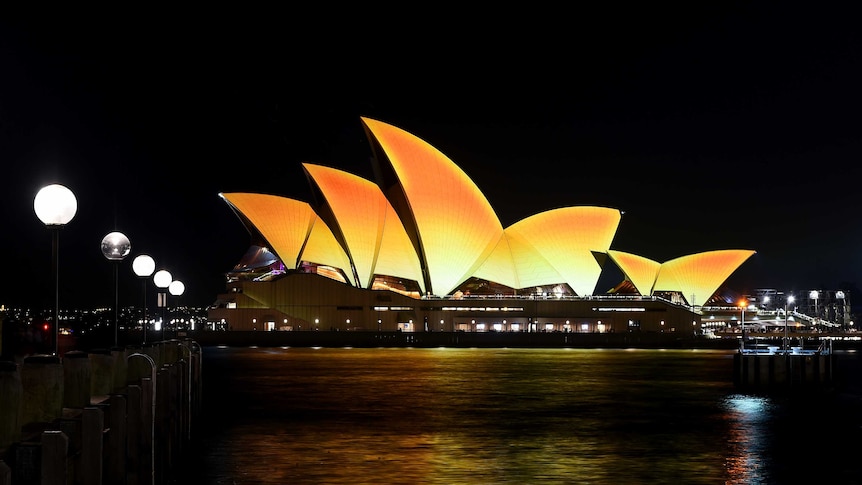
point(512, 416)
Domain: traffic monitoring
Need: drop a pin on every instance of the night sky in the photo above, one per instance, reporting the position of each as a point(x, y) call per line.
point(726, 127)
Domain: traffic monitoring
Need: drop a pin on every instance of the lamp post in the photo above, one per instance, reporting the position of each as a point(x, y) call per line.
point(115, 247)
point(814, 295)
point(162, 279)
point(839, 295)
point(143, 265)
point(789, 299)
point(55, 206)
point(177, 288)
point(742, 304)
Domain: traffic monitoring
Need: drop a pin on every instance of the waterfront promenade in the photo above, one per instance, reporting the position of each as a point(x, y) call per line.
point(112, 416)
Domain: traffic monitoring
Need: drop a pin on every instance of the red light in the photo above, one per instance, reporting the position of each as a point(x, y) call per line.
point(46, 327)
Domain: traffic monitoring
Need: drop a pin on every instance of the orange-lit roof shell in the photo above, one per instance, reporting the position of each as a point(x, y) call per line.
point(641, 271)
point(291, 228)
point(531, 268)
point(566, 238)
point(499, 266)
point(457, 227)
point(698, 276)
point(375, 238)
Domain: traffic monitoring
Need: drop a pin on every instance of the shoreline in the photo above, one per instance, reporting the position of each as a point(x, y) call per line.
point(644, 340)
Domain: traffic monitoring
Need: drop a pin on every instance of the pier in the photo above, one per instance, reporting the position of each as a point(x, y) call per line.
point(113, 416)
point(784, 366)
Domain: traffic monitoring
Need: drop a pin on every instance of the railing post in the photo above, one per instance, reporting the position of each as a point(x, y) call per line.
point(117, 439)
point(187, 392)
point(134, 438)
point(10, 405)
point(92, 446)
point(42, 384)
point(55, 451)
point(5, 474)
point(150, 418)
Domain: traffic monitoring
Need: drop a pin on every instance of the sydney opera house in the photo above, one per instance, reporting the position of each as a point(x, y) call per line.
point(420, 249)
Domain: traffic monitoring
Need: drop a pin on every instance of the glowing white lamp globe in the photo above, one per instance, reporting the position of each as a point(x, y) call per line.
point(162, 278)
point(143, 265)
point(116, 246)
point(55, 205)
point(176, 288)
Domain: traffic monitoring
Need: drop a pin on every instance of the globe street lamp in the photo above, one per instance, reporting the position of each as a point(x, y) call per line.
point(814, 295)
point(789, 299)
point(55, 206)
point(143, 265)
point(839, 295)
point(162, 279)
point(742, 305)
point(177, 288)
point(115, 247)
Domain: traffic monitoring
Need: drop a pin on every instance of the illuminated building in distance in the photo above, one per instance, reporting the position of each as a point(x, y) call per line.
point(421, 249)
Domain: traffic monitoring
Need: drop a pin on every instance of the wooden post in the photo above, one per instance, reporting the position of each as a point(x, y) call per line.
point(93, 424)
point(134, 436)
point(10, 404)
point(115, 455)
point(77, 379)
point(55, 451)
point(5, 474)
point(42, 382)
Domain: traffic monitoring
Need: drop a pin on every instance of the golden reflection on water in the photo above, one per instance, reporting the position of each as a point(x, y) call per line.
point(477, 416)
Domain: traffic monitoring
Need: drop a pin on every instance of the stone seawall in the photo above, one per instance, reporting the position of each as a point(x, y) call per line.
point(114, 416)
point(610, 340)
point(459, 339)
